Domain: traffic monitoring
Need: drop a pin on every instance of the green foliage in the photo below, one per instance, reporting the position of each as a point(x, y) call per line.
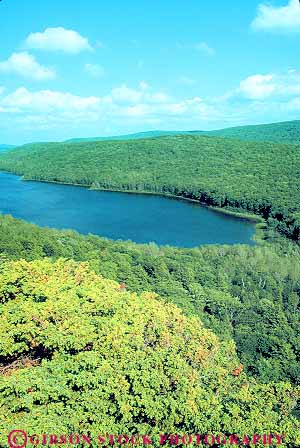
point(249, 294)
point(257, 177)
point(284, 132)
point(78, 354)
point(138, 135)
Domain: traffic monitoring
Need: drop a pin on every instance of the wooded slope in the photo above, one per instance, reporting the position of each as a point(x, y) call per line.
point(256, 176)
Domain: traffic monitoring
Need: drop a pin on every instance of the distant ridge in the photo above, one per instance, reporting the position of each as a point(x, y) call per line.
point(5, 147)
point(282, 132)
point(135, 136)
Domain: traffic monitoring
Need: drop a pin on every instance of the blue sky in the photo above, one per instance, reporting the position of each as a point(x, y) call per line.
point(89, 68)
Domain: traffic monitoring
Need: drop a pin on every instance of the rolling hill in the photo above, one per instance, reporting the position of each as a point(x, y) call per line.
point(260, 177)
point(283, 132)
point(79, 348)
point(138, 135)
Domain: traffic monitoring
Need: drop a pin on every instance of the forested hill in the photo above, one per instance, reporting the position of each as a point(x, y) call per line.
point(248, 294)
point(284, 132)
point(255, 176)
point(138, 135)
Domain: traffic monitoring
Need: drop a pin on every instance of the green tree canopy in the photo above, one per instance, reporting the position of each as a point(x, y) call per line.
point(79, 353)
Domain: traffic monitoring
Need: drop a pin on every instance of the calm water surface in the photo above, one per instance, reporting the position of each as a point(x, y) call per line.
point(140, 218)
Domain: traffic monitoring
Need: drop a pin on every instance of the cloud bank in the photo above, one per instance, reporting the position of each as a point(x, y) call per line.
point(278, 19)
point(267, 97)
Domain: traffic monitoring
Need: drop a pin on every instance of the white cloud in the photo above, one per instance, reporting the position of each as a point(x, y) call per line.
point(275, 96)
point(138, 110)
point(157, 98)
point(203, 47)
point(94, 70)
point(25, 65)
point(48, 109)
point(22, 100)
point(280, 19)
point(257, 86)
point(151, 110)
point(124, 94)
point(195, 106)
point(143, 85)
point(143, 94)
point(58, 39)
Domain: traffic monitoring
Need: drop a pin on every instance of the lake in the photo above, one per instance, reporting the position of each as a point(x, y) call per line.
point(137, 217)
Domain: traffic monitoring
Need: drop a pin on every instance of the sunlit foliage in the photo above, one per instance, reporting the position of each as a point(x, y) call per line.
point(249, 294)
point(80, 354)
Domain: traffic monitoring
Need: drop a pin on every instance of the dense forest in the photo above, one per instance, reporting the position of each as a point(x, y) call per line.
point(257, 177)
point(137, 135)
point(248, 294)
point(283, 132)
point(101, 336)
point(80, 355)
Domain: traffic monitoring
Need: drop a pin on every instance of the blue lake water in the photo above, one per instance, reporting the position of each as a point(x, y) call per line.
point(136, 217)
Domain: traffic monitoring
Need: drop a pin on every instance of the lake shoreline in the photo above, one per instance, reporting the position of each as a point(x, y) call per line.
point(259, 223)
point(238, 214)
